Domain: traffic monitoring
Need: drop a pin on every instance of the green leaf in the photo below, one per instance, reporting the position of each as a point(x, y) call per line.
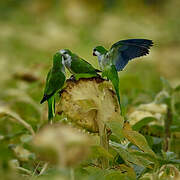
point(127, 171)
point(170, 156)
point(125, 154)
point(143, 122)
point(139, 170)
point(177, 109)
point(144, 155)
point(144, 161)
point(121, 172)
point(137, 139)
point(116, 128)
point(175, 128)
point(156, 130)
point(166, 85)
point(99, 151)
point(175, 161)
point(114, 175)
point(95, 173)
point(177, 88)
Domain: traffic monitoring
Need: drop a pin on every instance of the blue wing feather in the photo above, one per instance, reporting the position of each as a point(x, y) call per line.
point(142, 42)
point(126, 50)
point(121, 62)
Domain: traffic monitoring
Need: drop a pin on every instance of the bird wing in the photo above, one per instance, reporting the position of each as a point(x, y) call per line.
point(122, 51)
point(47, 81)
point(46, 89)
point(55, 82)
point(80, 66)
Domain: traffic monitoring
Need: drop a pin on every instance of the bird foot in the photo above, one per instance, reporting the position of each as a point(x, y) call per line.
point(99, 76)
point(72, 78)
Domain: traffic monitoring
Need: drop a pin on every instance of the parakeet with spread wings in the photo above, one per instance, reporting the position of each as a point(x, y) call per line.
point(116, 58)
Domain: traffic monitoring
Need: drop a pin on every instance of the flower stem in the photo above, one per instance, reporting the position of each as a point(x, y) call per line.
point(167, 135)
point(104, 142)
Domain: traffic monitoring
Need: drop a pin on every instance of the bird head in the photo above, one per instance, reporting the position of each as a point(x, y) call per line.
point(66, 53)
point(57, 58)
point(99, 50)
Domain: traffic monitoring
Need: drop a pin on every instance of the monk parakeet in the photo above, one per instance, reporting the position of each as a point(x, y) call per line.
point(116, 58)
point(78, 66)
point(54, 82)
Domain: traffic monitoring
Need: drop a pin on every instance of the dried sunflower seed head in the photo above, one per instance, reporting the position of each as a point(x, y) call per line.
point(87, 102)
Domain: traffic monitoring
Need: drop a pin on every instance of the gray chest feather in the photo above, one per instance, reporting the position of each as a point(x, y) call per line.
point(67, 62)
point(103, 61)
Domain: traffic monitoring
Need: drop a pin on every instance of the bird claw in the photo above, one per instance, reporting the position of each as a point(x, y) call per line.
point(99, 76)
point(72, 78)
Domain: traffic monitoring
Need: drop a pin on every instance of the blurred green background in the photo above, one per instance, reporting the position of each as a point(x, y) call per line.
point(31, 31)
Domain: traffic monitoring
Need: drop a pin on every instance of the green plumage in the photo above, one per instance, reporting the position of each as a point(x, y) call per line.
point(54, 82)
point(122, 52)
point(51, 107)
point(117, 57)
point(82, 69)
point(111, 73)
point(78, 66)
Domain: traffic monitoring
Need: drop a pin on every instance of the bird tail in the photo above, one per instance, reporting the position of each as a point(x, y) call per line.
point(118, 95)
point(112, 74)
point(43, 99)
point(46, 97)
point(51, 108)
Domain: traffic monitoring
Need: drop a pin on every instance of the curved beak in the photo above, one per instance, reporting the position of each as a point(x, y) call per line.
point(94, 54)
point(63, 55)
point(63, 60)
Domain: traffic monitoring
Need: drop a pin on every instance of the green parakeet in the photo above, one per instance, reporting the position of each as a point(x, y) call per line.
point(78, 66)
point(54, 82)
point(114, 60)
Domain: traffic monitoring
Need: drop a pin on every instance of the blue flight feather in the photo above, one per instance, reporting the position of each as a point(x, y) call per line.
point(129, 49)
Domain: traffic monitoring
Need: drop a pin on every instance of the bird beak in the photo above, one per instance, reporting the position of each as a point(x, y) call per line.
point(62, 59)
point(94, 54)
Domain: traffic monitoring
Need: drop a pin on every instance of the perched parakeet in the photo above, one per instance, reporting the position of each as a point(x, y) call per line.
point(114, 60)
point(54, 82)
point(78, 66)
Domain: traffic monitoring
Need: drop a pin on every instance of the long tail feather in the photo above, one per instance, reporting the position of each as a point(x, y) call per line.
point(43, 99)
point(51, 108)
point(46, 97)
point(118, 95)
point(112, 74)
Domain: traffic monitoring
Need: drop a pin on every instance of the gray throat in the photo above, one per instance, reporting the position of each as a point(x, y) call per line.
point(100, 60)
point(67, 62)
point(63, 69)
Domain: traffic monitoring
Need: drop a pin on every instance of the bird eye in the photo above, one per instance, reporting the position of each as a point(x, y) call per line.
point(65, 52)
point(94, 53)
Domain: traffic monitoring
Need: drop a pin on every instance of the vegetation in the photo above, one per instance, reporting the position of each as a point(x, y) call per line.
point(144, 145)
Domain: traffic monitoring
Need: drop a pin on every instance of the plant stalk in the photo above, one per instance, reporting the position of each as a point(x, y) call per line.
point(72, 174)
point(104, 142)
point(167, 133)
